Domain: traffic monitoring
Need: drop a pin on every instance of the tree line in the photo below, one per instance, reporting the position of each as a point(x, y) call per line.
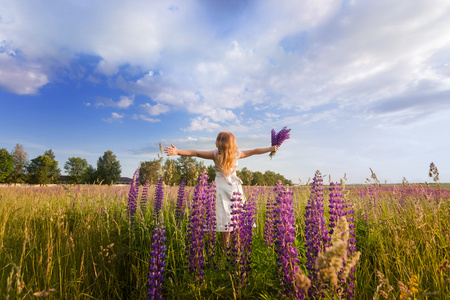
point(173, 170)
point(15, 167)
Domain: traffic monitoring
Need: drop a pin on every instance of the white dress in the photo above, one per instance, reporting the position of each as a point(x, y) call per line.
point(225, 187)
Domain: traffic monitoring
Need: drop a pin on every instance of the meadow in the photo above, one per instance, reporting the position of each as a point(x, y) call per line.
point(77, 242)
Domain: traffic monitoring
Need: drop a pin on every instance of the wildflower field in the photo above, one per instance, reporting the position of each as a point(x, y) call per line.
point(321, 240)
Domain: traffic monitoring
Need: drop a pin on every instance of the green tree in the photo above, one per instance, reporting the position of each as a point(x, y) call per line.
point(258, 179)
point(108, 168)
point(38, 170)
point(44, 169)
point(20, 164)
point(270, 178)
point(286, 181)
point(245, 175)
point(211, 173)
point(190, 168)
point(89, 175)
point(171, 174)
point(76, 167)
point(151, 171)
point(6, 165)
point(54, 172)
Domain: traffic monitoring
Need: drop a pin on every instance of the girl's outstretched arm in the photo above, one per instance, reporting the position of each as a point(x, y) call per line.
point(172, 150)
point(248, 153)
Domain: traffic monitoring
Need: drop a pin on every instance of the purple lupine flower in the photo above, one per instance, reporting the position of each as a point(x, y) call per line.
point(194, 236)
point(181, 201)
point(336, 205)
point(133, 195)
point(241, 225)
point(235, 226)
point(362, 193)
point(209, 229)
point(338, 208)
point(373, 194)
point(287, 254)
point(269, 225)
point(157, 263)
point(248, 222)
point(278, 138)
point(159, 197)
point(144, 197)
point(273, 137)
point(316, 234)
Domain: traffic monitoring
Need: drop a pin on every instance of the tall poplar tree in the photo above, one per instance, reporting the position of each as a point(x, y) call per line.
point(20, 157)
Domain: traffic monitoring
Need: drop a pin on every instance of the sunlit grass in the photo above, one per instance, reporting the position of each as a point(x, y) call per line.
point(76, 242)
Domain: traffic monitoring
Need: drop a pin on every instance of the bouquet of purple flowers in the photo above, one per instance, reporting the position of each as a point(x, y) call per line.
point(279, 138)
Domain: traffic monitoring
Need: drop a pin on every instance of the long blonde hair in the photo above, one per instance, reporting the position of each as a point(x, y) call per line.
point(228, 150)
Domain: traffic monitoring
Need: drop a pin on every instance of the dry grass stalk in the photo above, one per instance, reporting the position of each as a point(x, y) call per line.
point(383, 282)
point(302, 281)
point(333, 265)
point(44, 293)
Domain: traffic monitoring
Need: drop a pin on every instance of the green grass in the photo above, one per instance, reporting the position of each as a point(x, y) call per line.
point(76, 241)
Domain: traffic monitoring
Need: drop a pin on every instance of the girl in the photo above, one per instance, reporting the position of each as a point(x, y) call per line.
point(225, 158)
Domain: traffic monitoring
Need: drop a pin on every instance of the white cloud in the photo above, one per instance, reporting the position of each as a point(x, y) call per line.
point(107, 68)
point(272, 115)
point(123, 103)
point(115, 117)
point(354, 52)
point(198, 143)
point(145, 118)
point(345, 50)
point(206, 110)
point(202, 124)
point(219, 115)
point(155, 110)
point(21, 78)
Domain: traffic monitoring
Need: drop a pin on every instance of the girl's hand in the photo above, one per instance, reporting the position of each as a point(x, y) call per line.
point(171, 151)
point(273, 150)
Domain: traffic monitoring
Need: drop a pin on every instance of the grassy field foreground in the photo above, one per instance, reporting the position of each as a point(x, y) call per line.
point(75, 242)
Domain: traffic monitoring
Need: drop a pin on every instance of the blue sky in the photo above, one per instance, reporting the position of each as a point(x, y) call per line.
point(362, 84)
